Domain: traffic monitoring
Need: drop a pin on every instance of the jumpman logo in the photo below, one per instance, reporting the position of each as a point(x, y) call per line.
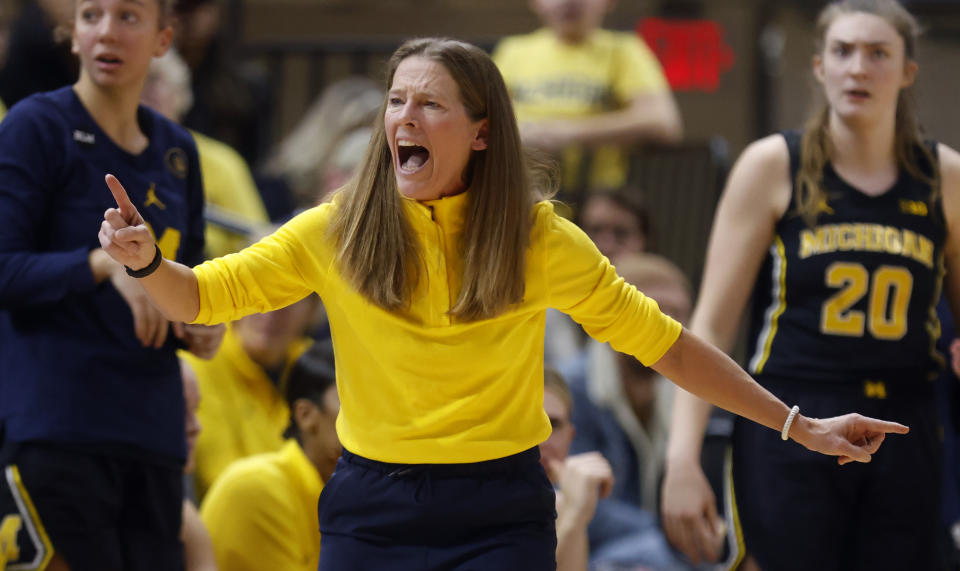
point(152, 199)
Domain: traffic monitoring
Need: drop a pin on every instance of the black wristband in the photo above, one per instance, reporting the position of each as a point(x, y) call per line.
point(149, 268)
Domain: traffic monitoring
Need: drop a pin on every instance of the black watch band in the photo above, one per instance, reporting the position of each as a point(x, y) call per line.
point(149, 268)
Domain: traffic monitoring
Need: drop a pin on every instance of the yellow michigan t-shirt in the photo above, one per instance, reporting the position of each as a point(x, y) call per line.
point(549, 79)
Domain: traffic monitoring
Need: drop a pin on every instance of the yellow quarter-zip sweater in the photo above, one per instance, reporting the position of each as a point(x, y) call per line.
point(416, 386)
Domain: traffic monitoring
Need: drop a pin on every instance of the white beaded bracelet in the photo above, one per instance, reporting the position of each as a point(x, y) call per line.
point(785, 433)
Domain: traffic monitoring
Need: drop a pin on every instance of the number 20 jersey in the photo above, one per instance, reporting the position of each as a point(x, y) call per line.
point(853, 297)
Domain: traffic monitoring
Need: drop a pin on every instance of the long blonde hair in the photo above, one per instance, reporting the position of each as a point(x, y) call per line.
point(377, 249)
point(816, 147)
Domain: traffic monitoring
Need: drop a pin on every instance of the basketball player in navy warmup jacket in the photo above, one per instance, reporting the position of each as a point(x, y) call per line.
point(91, 417)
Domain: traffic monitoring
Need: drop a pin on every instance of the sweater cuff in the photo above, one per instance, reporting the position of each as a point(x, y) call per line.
point(205, 313)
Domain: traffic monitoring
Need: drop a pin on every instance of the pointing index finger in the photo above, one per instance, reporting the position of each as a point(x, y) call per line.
point(887, 426)
point(127, 209)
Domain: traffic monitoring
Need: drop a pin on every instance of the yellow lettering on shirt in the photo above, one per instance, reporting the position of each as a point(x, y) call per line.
point(169, 243)
point(875, 389)
point(916, 207)
point(858, 237)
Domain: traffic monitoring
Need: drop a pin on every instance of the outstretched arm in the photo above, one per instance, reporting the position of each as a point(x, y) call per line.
point(707, 372)
point(124, 235)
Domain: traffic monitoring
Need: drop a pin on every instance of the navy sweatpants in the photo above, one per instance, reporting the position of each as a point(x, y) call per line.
point(494, 515)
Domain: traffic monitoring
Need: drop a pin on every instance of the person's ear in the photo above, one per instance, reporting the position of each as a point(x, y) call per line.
point(482, 135)
point(307, 415)
point(911, 69)
point(818, 68)
point(164, 41)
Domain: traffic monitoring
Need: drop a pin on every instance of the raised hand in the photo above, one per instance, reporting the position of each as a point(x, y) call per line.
point(123, 233)
point(851, 437)
point(583, 479)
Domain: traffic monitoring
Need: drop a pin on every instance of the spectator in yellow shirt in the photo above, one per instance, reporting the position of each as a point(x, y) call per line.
point(576, 86)
point(243, 410)
point(262, 512)
point(436, 265)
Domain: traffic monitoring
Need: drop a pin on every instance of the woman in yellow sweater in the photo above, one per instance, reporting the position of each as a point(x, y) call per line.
point(436, 265)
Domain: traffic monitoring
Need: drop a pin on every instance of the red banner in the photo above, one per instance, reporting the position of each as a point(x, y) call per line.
point(693, 53)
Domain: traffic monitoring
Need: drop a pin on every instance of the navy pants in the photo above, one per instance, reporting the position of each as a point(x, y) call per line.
point(495, 515)
point(100, 512)
point(800, 510)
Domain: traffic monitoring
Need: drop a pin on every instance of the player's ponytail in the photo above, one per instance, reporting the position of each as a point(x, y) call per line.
point(815, 151)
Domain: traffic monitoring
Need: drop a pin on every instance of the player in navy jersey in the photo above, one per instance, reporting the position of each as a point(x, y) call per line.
point(844, 233)
point(91, 405)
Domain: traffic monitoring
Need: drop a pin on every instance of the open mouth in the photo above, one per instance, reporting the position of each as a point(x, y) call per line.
point(411, 156)
point(109, 60)
point(858, 93)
